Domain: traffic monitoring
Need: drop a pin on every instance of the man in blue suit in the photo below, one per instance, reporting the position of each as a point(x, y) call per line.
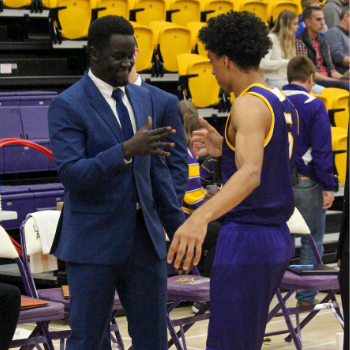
point(118, 196)
point(168, 113)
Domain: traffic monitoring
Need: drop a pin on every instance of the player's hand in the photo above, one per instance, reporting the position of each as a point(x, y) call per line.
point(207, 139)
point(148, 142)
point(187, 238)
point(328, 198)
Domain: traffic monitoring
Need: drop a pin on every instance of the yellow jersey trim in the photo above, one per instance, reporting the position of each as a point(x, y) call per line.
point(193, 170)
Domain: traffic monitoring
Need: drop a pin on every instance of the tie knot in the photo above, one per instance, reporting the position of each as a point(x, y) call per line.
point(117, 95)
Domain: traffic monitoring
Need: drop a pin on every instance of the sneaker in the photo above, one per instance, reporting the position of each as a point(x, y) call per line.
point(197, 306)
point(307, 303)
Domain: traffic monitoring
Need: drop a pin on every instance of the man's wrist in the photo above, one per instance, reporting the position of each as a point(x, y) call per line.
point(126, 152)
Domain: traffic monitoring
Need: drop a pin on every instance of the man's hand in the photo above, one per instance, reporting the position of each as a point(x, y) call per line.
point(208, 140)
point(328, 198)
point(147, 142)
point(190, 235)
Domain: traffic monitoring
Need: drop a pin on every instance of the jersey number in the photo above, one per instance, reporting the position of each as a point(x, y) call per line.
point(288, 117)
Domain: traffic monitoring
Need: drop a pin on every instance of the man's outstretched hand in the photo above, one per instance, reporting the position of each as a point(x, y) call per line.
point(187, 240)
point(148, 142)
point(207, 139)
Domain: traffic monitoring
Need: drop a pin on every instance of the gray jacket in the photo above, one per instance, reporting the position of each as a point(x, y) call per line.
point(338, 40)
point(332, 11)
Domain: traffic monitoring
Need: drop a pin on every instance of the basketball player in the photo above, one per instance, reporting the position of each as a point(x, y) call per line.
point(254, 244)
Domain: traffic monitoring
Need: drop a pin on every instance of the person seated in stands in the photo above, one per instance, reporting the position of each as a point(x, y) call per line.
point(282, 35)
point(195, 194)
point(310, 44)
point(332, 11)
point(304, 5)
point(313, 193)
point(210, 171)
point(338, 39)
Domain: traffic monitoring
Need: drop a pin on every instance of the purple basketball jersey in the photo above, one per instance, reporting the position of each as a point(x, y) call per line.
point(272, 203)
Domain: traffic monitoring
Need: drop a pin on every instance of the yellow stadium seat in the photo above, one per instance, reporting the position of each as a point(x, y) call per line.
point(321, 97)
point(17, 3)
point(219, 6)
point(338, 99)
point(145, 41)
point(171, 40)
point(157, 26)
point(276, 7)
point(339, 143)
point(75, 19)
point(154, 10)
point(190, 11)
point(113, 7)
point(183, 60)
point(203, 88)
point(49, 3)
point(194, 27)
point(260, 8)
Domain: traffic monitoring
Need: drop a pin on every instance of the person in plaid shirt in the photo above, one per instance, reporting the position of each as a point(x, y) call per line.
point(310, 44)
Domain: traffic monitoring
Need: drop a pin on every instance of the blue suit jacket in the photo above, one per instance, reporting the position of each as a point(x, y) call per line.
point(99, 214)
point(168, 113)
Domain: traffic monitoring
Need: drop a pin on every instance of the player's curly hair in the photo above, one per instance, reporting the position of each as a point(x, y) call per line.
point(103, 28)
point(241, 36)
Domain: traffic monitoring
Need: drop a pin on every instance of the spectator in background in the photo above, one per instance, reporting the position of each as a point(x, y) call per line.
point(332, 11)
point(282, 35)
point(314, 161)
point(310, 44)
point(195, 194)
point(304, 5)
point(10, 307)
point(338, 41)
point(210, 171)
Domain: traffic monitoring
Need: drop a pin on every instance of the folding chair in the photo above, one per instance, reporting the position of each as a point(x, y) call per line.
point(293, 282)
point(189, 288)
point(171, 40)
point(41, 316)
point(31, 245)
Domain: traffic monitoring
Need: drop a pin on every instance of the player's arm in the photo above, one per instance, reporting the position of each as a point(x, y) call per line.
point(250, 123)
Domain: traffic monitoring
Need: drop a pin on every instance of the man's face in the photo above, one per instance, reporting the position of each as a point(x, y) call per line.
point(113, 63)
point(316, 22)
point(218, 69)
point(346, 19)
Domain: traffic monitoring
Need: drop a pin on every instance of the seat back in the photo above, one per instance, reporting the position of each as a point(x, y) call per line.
point(183, 60)
point(194, 27)
point(17, 3)
point(260, 8)
point(190, 11)
point(145, 41)
point(113, 7)
point(341, 118)
point(31, 244)
point(339, 143)
point(75, 19)
point(157, 27)
point(155, 10)
point(276, 7)
point(219, 6)
point(204, 89)
point(172, 41)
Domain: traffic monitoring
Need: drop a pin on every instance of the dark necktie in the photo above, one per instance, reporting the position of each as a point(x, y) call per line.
point(123, 114)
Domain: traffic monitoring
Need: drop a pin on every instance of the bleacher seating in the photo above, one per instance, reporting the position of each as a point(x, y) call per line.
point(277, 6)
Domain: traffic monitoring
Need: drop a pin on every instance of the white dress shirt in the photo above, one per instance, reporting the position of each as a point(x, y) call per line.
point(106, 91)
